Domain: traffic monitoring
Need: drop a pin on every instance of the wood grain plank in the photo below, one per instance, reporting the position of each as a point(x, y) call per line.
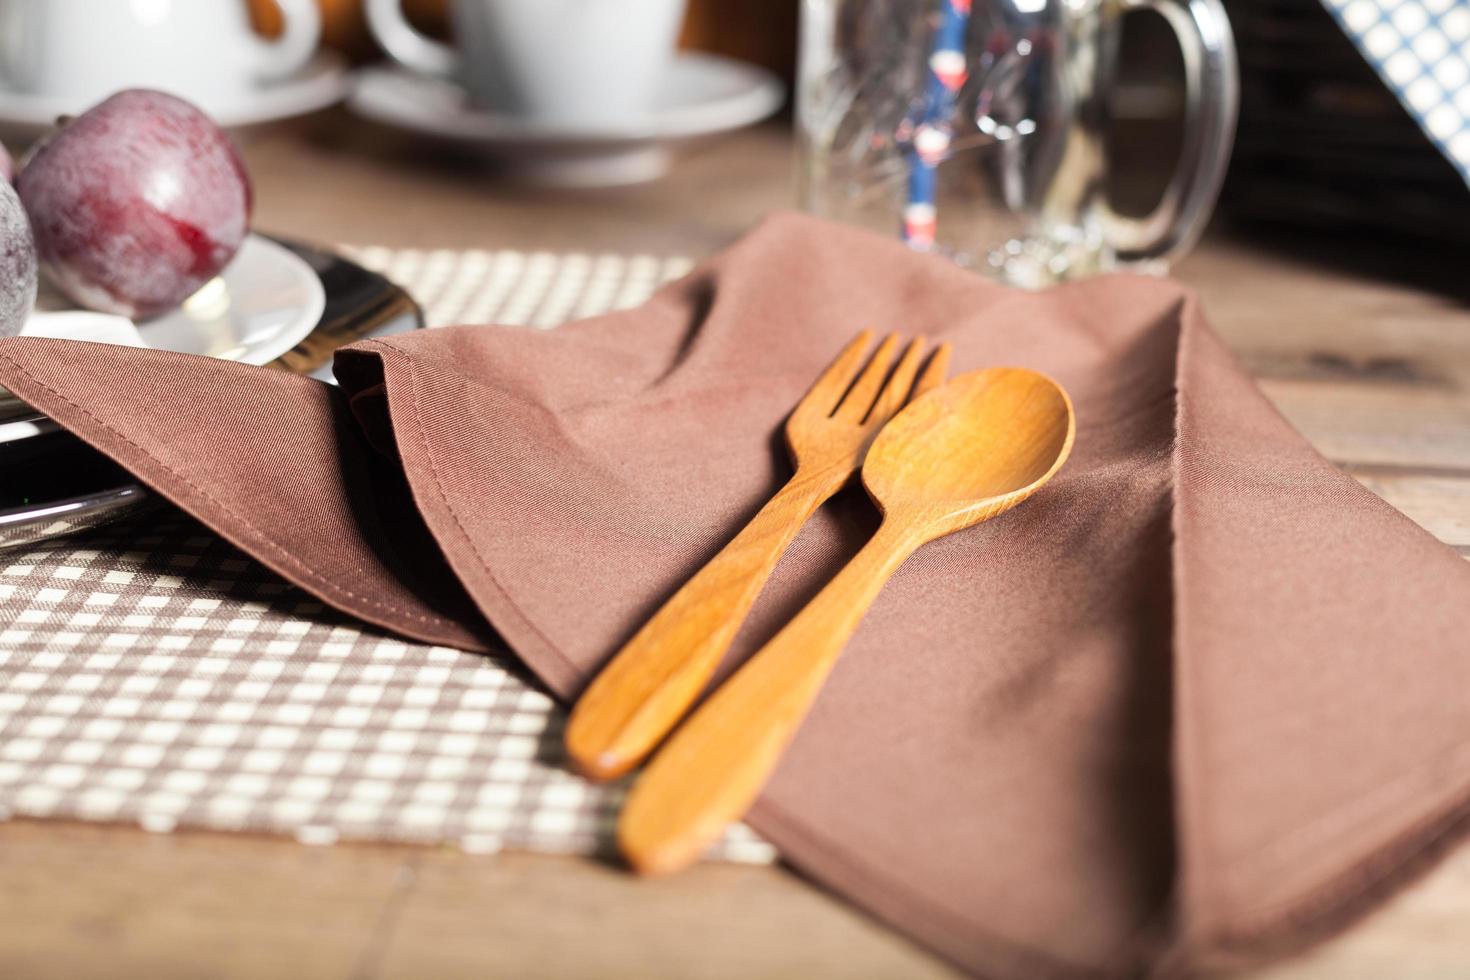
point(1357, 369)
point(99, 901)
point(110, 901)
point(1384, 426)
point(1438, 502)
point(537, 917)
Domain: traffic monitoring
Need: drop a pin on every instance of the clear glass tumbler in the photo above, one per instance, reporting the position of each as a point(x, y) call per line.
point(976, 128)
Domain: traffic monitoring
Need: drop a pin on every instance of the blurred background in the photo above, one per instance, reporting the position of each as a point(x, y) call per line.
point(1352, 137)
point(758, 31)
point(1322, 141)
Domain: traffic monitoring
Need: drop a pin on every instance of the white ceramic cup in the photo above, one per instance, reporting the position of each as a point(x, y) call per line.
point(591, 63)
point(81, 51)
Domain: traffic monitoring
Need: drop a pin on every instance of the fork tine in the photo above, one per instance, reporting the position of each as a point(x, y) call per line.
point(934, 372)
point(896, 391)
point(827, 390)
point(860, 398)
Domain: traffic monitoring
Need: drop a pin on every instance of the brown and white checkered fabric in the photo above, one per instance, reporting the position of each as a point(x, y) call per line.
point(150, 673)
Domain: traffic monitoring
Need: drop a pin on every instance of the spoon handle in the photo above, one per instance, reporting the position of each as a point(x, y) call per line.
point(643, 692)
point(712, 769)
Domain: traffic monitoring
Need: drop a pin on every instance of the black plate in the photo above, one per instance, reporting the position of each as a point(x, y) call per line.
point(52, 483)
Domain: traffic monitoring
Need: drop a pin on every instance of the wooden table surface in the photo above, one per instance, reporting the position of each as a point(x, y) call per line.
point(1364, 346)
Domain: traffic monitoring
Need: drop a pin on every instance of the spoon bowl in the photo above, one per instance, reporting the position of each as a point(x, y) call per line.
point(970, 449)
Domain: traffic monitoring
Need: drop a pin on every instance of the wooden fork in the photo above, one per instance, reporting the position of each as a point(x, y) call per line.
point(644, 691)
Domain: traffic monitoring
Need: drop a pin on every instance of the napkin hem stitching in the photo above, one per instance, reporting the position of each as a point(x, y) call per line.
point(1371, 802)
point(1382, 867)
point(421, 437)
point(1191, 809)
point(1332, 907)
point(285, 555)
point(767, 812)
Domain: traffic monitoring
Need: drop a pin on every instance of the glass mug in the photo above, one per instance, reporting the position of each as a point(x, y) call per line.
point(976, 128)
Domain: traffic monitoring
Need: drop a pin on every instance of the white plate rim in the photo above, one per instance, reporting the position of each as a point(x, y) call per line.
point(259, 250)
point(310, 313)
point(308, 317)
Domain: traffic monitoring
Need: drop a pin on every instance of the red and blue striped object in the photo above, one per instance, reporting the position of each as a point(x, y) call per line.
point(948, 69)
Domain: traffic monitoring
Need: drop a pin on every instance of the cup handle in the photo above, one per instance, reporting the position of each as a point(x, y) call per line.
point(1211, 101)
point(405, 44)
point(301, 30)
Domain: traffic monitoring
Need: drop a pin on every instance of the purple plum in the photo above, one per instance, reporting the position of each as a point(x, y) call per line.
point(17, 263)
point(136, 203)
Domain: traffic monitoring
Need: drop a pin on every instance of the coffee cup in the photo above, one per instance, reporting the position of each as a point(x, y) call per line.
point(591, 63)
point(78, 52)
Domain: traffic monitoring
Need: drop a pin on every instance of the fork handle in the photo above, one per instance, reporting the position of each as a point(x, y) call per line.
point(713, 768)
point(644, 691)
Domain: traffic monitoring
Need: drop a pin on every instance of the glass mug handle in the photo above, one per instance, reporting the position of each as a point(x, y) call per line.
point(405, 44)
point(1211, 99)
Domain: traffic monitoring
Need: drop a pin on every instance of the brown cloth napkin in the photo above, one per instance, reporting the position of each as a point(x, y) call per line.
point(1202, 699)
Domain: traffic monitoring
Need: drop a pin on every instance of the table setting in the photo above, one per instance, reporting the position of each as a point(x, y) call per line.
point(942, 544)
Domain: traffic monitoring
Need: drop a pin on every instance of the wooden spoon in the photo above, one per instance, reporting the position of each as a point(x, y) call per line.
point(957, 456)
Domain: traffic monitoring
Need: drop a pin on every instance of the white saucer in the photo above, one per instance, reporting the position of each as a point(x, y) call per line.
point(323, 82)
point(264, 303)
point(701, 95)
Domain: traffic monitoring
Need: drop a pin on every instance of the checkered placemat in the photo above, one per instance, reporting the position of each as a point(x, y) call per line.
point(1421, 49)
point(151, 673)
point(537, 289)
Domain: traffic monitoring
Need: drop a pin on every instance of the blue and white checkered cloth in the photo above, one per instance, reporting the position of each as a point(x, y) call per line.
point(1421, 48)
